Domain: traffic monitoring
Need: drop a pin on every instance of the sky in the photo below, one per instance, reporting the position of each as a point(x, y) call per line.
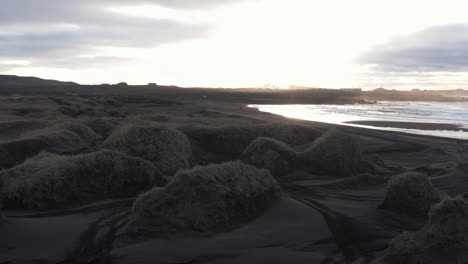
point(396, 44)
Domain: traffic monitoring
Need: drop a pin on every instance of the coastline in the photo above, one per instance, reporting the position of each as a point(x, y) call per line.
point(355, 116)
point(409, 125)
point(303, 226)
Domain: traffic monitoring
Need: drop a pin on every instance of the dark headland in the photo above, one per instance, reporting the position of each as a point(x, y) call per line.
point(163, 174)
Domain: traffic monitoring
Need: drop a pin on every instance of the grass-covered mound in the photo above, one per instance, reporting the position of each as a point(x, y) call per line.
point(168, 149)
point(67, 137)
point(50, 181)
point(15, 128)
point(411, 193)
point(204, 199)
point(276, 156)
point(444, 239)
point(87, 105)
point(101, 126)
point(334, 153)
point(219, 144)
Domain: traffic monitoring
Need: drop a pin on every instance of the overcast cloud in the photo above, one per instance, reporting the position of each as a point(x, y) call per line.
point(434, 57)
point(436, 49)
point(59, 33)
point(237, 43)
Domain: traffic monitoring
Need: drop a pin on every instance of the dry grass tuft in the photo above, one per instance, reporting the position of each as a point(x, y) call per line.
point(444, 239)
point(220, 144)
point(51, 181)
point(273, 155)
point(205, 199)
point(168, 149)
point(334, 153)
point(411, 193)
point(67, 137)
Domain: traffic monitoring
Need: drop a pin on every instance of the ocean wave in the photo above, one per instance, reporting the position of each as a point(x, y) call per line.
point(421, 112)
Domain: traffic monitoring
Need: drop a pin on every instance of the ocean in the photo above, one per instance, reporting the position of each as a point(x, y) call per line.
point(453, 113)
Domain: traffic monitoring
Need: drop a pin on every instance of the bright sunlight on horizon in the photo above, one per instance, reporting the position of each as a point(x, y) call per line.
point(239, 43)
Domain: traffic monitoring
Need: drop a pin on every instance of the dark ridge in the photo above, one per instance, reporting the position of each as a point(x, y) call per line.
point(19, 81)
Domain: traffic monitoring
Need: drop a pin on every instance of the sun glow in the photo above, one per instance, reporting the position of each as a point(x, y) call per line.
point(298, 42)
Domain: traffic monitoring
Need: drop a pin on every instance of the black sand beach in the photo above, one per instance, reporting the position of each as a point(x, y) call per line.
point(141, 175)
point(409, 125)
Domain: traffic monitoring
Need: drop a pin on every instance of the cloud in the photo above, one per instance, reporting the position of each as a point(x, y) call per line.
point(56, 31)
point(83, 62)
point(84, 40)
point(414, 79)
point(436, 49)
point(4, 67)
point(88, 11)
point(199, 4)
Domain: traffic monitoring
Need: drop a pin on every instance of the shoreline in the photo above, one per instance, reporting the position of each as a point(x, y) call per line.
point(428, 128)
point(408, 125)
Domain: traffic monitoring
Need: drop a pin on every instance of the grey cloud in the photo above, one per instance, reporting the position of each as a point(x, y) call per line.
point(437, 80)
point(83, 62)
point(437, 49)
point(63, 43)
point(30, 29)
point(87, 11)
point(409, 84)
point(70, 62)
point(5, 67)
point(200, 4)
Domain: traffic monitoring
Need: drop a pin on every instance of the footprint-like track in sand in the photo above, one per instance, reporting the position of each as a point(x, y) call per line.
point(358, 237)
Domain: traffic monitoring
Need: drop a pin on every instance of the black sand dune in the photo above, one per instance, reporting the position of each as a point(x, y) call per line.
point(159, 175)
point(225, 143)
point(168, 149)
point(442, 240)
point(204, 199)
point(52, 181)
point(411, 193)
point(55, 137)
point(332, 154)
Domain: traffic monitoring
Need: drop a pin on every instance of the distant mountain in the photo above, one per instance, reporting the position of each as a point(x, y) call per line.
point(19, 81)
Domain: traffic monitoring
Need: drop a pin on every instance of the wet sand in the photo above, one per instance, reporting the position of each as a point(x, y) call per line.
point(409, 125)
